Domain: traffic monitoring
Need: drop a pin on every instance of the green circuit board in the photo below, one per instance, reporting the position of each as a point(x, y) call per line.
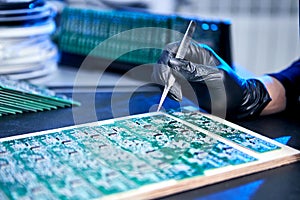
point(20, 96)
point(111, 157)
point(235, 135)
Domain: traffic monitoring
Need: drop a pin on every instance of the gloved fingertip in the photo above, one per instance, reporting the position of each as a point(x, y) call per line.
point(174, 97)
point(173, 61)
point(177, 62)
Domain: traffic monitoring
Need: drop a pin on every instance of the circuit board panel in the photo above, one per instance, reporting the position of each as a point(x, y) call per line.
point(242, 138)
point(115, 156)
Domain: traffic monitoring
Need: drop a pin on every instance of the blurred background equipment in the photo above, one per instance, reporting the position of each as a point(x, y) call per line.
point(81, 30)
point(153, 6)
point(26, 48)
point(265, 33)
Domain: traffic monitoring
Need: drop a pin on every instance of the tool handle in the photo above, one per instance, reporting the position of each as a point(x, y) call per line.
point(185, 42)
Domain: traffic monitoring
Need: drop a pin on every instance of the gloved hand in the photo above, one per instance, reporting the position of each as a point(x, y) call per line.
point(218, 88)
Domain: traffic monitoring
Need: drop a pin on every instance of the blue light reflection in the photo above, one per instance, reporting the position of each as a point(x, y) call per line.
point(244, 192)
point(205, 26)
point(283, 139)
point(214, 27)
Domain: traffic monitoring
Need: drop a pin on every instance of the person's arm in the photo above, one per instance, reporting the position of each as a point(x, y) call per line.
point(284, 89)
point(277, 94)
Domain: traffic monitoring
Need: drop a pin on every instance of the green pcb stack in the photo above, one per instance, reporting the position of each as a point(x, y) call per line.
point(129, 37)
point(17, 96)
point(82, 30)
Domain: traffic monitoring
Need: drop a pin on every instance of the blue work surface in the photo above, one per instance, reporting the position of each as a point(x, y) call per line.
point(279, 183)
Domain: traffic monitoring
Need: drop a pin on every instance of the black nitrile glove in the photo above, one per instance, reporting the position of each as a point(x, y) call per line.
point(218, 88)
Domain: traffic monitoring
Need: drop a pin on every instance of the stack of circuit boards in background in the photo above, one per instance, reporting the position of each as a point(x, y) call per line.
point(21, 96)
point(137, 157)
point(81, 30)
